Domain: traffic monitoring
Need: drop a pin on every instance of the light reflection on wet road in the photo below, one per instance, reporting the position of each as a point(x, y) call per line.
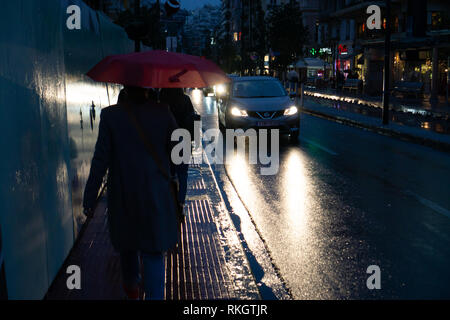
point(344, 199)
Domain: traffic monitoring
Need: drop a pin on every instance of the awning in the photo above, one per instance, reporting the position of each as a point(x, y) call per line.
point(301, 64)
point(312, 63)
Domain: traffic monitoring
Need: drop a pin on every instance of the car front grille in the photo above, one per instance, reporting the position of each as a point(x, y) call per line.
point(265, 114)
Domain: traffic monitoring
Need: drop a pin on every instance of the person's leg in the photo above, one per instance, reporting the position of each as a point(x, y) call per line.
point(154, 275)
point(182, 173)
point(130, 266)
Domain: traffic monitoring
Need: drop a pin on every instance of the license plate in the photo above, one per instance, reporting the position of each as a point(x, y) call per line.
point(266, 123)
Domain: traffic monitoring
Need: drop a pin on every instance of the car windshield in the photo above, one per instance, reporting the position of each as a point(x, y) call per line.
point(258, 89)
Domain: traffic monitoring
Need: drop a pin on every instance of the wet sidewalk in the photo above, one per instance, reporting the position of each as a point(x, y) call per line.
point(430, 119)
point(209, 262)
point(424, 105)
point(409, 133)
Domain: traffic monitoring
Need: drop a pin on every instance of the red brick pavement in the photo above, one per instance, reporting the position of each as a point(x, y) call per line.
point(195, 270)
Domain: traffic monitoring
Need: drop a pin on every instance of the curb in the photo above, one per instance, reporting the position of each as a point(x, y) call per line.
point(438, 145)
point(278, 285)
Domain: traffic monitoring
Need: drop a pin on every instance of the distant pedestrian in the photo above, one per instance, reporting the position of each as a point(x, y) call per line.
point(292, 77)
point(181, 106)
point(340, 79)
point(141, 212)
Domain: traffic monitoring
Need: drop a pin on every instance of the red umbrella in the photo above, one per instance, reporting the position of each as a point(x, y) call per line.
point(158, 69)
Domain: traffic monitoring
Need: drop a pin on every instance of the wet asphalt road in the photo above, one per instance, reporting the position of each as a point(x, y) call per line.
point(344, 199)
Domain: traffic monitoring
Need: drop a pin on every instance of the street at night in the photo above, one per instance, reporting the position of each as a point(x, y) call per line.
point(344, 199)
point(225, 158)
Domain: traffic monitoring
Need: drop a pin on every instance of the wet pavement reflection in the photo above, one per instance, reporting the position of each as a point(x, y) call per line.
point(402, 115)
point(338, 205)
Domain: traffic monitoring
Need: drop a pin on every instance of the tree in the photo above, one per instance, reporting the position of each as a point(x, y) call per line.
point(145, 26)
point(286, 34)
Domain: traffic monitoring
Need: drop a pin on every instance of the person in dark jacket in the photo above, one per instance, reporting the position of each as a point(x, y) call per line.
point(340, 80)
point(141, 213)
point(181, 106)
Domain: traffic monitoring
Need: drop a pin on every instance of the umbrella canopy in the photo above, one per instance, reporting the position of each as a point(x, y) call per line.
point(158, 69)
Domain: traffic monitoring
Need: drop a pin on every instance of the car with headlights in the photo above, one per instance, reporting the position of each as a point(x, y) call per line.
point(258, 102)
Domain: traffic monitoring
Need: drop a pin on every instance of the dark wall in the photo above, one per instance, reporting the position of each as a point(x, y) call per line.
point(48, 133)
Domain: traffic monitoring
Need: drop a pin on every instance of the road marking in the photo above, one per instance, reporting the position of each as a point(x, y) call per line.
point(320, 146)
point(430, 204)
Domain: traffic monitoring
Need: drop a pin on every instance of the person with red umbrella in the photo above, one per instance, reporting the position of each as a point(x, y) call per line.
point(134, 147)
point(141, 212)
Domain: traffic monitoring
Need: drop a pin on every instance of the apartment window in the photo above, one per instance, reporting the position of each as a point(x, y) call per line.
point(343, 30)
point(351, 30)
point(319, 34)
point(440, 20)
point(334, 32)
point(361, 30)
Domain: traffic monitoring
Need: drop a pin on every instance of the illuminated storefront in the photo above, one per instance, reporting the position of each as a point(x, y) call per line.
point(344, 61)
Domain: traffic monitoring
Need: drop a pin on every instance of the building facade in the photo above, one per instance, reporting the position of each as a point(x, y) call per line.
point(243, 23)
point(420, 42)
point(310, 13)
point(199, 30)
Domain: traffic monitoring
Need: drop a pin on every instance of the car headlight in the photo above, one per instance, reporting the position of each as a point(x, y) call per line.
point(290, 111)
point(238, 112)
point(220, 89)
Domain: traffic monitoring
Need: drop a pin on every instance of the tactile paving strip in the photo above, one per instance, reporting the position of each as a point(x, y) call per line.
point(195, 267)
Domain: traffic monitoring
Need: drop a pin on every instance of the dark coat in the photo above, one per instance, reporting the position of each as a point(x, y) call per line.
point(181, 107)
point(141, 214)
